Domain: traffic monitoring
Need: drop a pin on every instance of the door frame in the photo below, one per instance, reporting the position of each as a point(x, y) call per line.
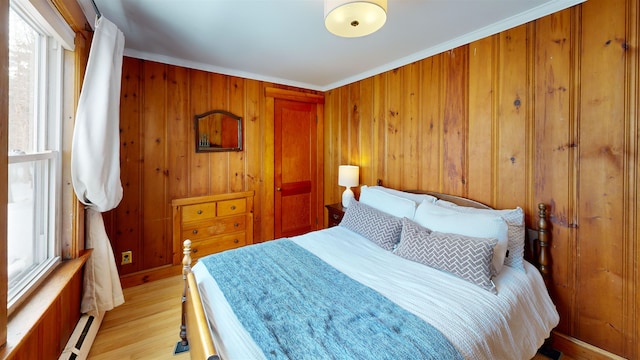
point(267, 228)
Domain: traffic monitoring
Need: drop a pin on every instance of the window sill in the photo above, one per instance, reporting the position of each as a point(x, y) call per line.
point(25, 319)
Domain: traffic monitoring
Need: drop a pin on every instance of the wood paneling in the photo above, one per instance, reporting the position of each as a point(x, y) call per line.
point(40, 328)
point(128, 214)
point(601, 196)
point(512, 102)
point(430, 124)
point(544, 112)
point(555, 143)
point(159, 162)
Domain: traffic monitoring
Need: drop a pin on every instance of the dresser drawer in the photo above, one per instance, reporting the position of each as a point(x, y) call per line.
point(213, 245)
point(204, 229)
point(213, 223)
point(231, 207)
point(198, 212)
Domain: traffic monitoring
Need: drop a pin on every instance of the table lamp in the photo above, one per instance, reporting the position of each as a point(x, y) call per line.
point(348, 175)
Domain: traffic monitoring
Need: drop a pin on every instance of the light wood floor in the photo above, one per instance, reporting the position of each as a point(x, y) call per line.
point(147, 325)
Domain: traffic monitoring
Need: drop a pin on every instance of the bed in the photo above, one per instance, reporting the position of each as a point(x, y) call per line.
point(443, 285)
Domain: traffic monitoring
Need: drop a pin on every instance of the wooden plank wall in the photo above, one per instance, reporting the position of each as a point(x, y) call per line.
point(545, 112)
point(159, 162)
point(41, 330)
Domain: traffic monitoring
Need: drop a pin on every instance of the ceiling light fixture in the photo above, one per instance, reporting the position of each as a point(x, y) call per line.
point(349, 18)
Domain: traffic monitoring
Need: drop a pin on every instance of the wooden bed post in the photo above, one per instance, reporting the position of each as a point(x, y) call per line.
point(543, 240)
point(197, 339)
point(183, 344)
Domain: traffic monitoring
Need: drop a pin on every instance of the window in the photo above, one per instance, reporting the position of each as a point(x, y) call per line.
point(35, 107)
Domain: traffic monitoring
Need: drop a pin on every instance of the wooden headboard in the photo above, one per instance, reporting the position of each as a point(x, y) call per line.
point(454, 199)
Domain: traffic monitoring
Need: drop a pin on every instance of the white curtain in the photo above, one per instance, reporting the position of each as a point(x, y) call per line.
point(95, 163)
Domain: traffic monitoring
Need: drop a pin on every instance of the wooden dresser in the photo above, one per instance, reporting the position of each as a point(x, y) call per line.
point(213, 223)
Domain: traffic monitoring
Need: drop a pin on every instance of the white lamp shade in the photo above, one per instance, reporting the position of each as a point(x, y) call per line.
point(348, 175)
point(349, 18)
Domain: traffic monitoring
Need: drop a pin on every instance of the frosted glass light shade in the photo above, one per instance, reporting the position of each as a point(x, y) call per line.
point(349, 18)
point(348, 175)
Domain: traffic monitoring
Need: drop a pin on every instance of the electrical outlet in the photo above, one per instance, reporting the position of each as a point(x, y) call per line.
point(127, 257)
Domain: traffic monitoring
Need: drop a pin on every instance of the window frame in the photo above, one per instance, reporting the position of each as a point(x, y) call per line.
point(46, 155)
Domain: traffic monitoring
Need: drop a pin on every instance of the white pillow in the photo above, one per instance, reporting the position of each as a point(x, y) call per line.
point(516, 233)
point(438, 218)
point(417, 198)
point(388, 203)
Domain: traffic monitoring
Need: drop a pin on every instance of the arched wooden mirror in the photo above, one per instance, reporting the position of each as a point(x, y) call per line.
point(218, 130)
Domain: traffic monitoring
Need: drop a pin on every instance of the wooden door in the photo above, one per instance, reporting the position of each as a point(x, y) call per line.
point(295, 125)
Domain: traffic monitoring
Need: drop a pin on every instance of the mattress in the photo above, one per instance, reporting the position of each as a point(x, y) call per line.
point(510, 325)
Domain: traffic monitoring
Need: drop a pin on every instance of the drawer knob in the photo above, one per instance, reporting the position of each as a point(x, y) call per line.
point(336, 216)
point(236, 241)
point(199, 212)
point(194, 251)
point(233, 207)
point(195, 231)
point(236, 224)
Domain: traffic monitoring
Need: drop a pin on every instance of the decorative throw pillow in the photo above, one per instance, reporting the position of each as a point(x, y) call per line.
point(438, 218)
point(377, 226)
point(388, 203)
point(515, 232)
point(466, 257)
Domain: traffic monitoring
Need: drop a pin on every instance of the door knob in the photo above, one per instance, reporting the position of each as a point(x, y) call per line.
point(278, 189)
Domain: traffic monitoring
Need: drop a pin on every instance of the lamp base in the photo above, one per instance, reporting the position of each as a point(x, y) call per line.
point(347, 195)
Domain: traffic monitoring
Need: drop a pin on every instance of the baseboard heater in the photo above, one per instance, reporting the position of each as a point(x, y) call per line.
point(81, 339)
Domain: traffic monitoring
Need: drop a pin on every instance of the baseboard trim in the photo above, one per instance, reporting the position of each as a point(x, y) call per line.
point(580, 350)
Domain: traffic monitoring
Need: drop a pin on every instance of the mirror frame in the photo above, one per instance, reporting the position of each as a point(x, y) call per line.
point(197, 119)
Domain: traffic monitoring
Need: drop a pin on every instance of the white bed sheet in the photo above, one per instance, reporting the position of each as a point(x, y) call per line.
point(510, 325)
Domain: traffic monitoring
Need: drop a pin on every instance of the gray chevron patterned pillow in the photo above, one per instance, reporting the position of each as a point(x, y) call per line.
point(466, 257)
point(515, 232)
point(377, 226)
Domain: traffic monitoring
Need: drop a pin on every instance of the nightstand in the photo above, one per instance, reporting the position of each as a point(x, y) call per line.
point(336, 212)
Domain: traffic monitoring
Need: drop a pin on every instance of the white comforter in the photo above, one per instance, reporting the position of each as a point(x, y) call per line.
point(511, 325)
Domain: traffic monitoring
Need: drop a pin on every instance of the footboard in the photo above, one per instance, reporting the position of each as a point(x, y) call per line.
point(198, 335)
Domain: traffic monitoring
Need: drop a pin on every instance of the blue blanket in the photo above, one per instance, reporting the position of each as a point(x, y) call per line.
point(296, 306)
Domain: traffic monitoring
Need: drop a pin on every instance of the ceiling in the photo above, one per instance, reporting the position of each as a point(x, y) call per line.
point(285, 41)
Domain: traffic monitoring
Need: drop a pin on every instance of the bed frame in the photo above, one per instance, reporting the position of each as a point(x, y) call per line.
point(195, 333)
